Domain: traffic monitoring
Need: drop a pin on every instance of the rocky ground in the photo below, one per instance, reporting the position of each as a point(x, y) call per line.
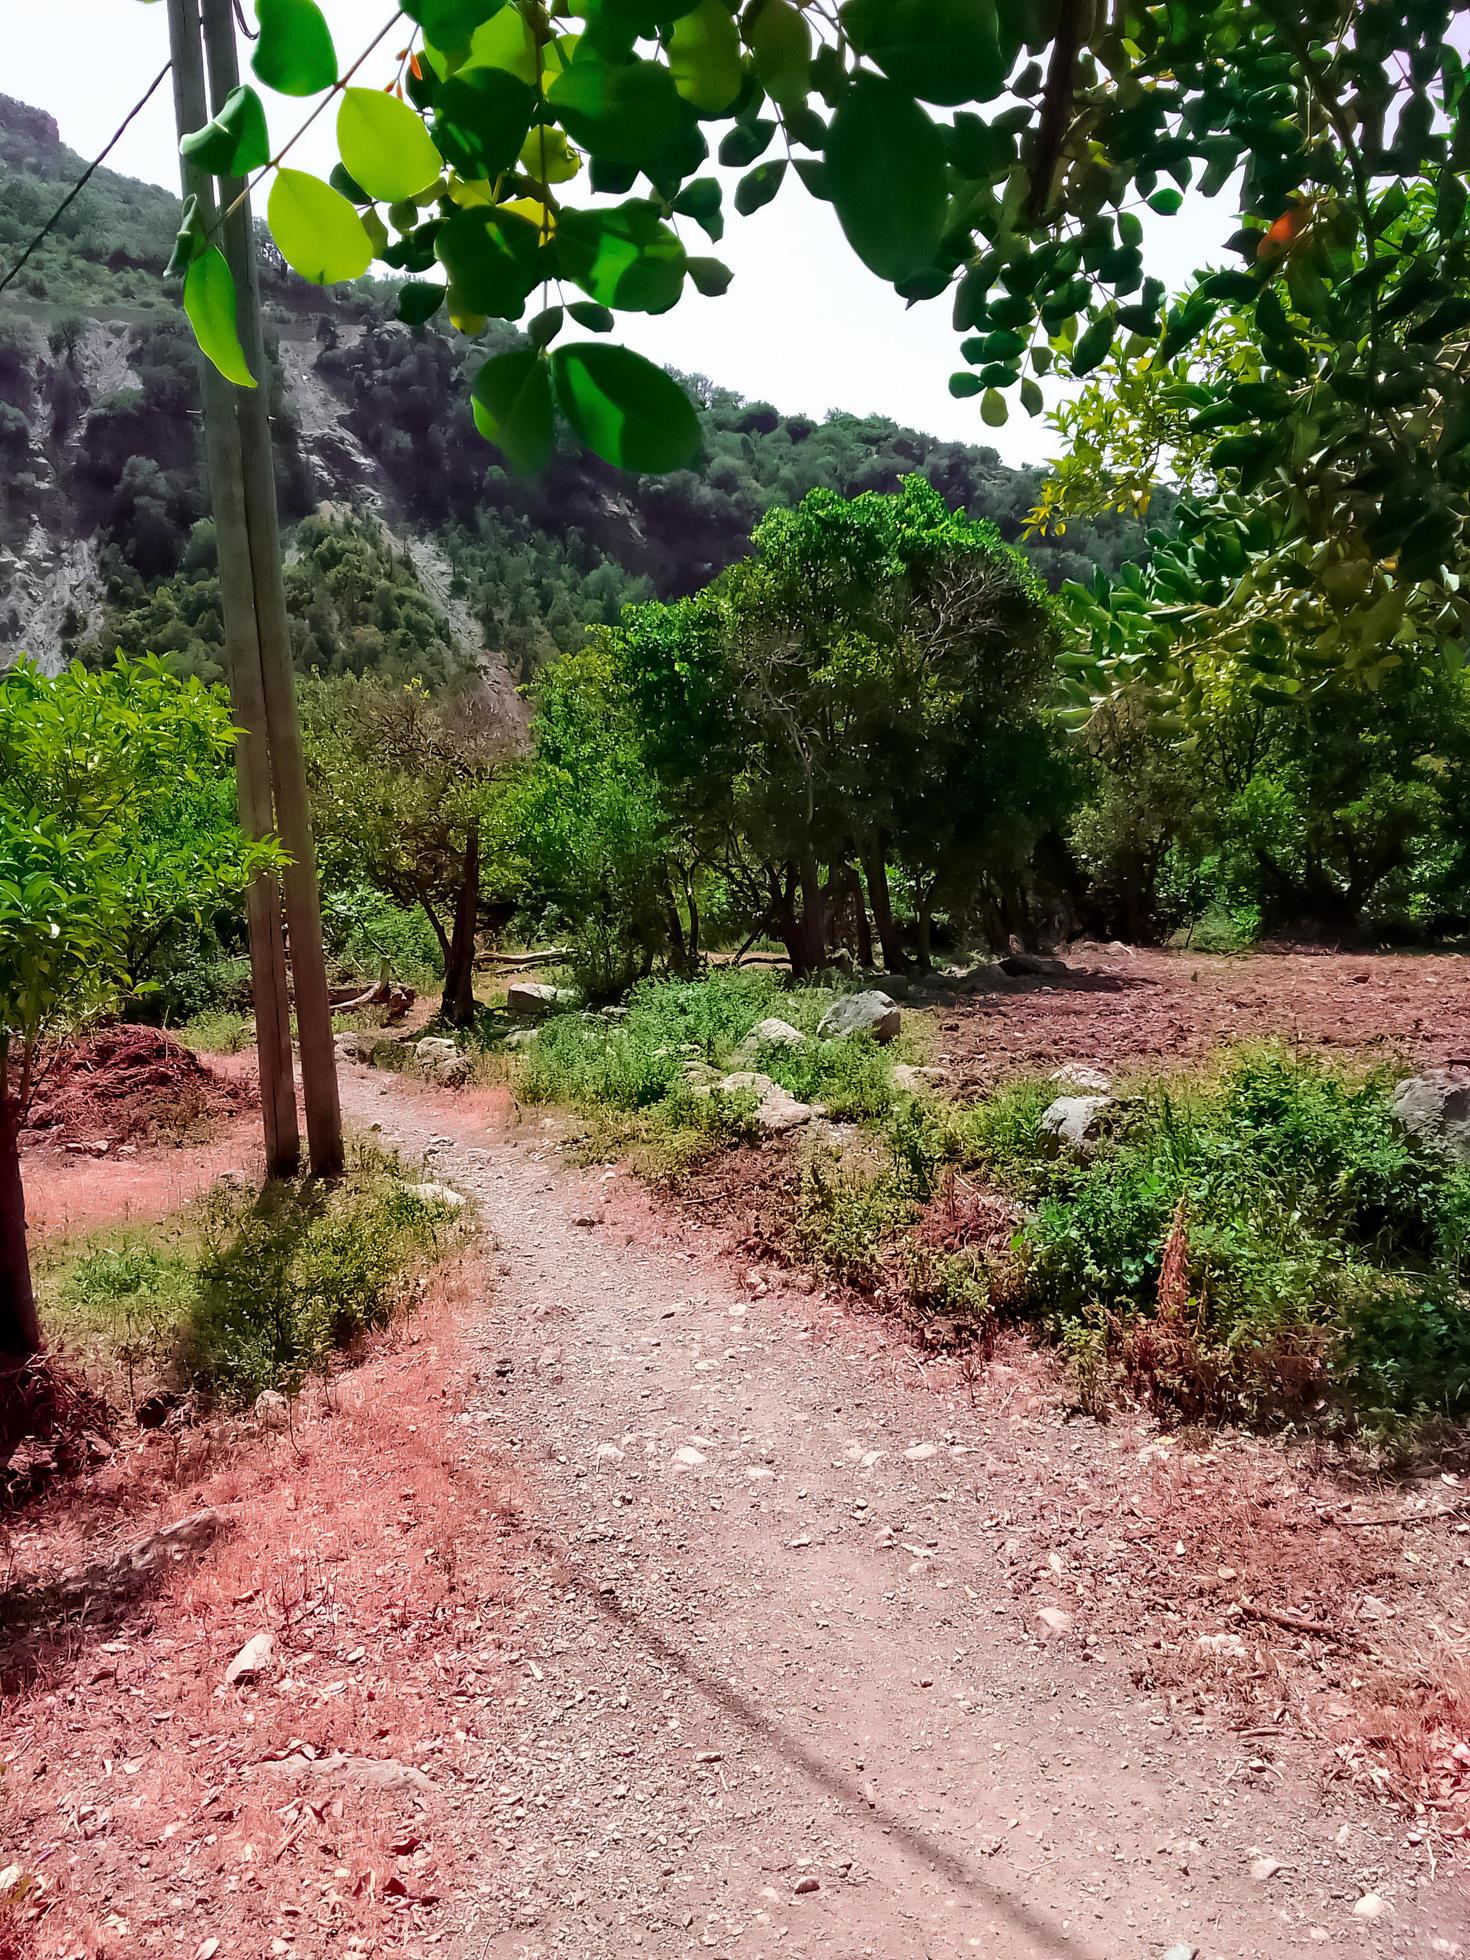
point(1124, 1006)
point(813, 1650)
point(642, 1599)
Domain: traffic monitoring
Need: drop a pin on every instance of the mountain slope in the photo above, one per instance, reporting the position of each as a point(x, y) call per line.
point(104, 534)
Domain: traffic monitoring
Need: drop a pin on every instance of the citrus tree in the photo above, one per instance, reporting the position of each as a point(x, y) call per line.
point(92, 769)
point(548, 161)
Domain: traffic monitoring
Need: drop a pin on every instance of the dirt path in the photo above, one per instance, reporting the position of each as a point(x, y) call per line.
point(769, 1684)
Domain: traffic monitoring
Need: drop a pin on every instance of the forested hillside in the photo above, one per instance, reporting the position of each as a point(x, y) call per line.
point(431, 554)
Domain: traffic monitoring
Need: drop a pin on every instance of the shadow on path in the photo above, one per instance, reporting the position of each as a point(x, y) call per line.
point(1049, 1941)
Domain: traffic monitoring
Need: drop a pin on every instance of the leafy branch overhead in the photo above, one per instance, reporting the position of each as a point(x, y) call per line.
point(1009, 155)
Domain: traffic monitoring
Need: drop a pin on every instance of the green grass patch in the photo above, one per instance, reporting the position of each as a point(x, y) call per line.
point(632, 1065)
point(249, 1289)
point(217, 1031)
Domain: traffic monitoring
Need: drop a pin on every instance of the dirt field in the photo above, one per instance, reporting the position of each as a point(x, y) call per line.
point(1121, 1007)
point(640, 1598)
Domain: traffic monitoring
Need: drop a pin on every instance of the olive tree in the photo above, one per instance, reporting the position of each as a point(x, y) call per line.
point(401, 786)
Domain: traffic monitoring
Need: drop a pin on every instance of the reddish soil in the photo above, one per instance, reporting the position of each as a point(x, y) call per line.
point(154, 1807)
point(70, 1192)
point(1123, 1007)
point(714, 1617)
point(125, 1085)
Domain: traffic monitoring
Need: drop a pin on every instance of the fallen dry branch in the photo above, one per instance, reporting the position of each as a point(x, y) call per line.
point(508, 962)
point(1293, 1622)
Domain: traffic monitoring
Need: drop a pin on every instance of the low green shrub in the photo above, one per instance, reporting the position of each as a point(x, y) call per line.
point(1263, 1242)
point(848, 1216)
point(370, 935)
point(288, 1275)
point(249, 1289)
point(217, 1031)
point(117, 1305)
point(635, 1062)
point(852, 1079)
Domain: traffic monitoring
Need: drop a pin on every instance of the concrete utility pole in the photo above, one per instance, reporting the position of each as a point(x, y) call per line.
point(272, 773)
point(242, 648)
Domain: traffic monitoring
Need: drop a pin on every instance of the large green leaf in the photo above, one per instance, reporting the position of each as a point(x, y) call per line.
point(781, 43)
point(482, 117)
point(493, 261)
point(1094, 342)
point(511, 400)
point(385, 146)
point(236, 142)
point(940, 50)
point(190, 240)
point(506, 41)
point(318, 232)
point(449, 25)
point(211, 303)
point(886, 178)
point(625, 257)
point(294, 54)
point(704, 57)
point(626, 410)
point(625, 112)
point(419, 300)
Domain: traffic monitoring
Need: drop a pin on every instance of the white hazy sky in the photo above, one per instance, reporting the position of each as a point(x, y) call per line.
point(804, 325)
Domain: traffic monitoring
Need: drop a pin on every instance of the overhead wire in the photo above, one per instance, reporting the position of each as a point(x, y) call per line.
point(81, 184)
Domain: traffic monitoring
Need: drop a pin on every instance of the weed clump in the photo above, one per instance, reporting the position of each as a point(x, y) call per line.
point(1267, 1242)
point(254, 1289)
point(671, 1030)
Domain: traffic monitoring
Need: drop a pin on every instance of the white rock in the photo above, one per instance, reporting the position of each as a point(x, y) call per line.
point(1072, 1122)
point(1055, 1620)
point(690, 1457)
point(1227, 1646)
point(871, 1013)
point(1081, 1075)
point(917, 1452)
point(271, 1408)
point(530, 999)
point(772, 1032)
point(433, 1049)
point(1264, 1868)
point(437, 1194)
point(1370, 1906)
point(775, 1110)
point(254, 1656)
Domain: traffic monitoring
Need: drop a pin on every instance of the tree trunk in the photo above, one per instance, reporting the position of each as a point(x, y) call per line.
point(848, 914)
point(922, 923)
point(679, 955)
point(875, 870)
point(20, 1330)
point(811, 924)
point(458, 1005)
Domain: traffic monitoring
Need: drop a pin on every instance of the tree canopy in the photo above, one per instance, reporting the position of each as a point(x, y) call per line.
point(861, 691)
point(1338, 492)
